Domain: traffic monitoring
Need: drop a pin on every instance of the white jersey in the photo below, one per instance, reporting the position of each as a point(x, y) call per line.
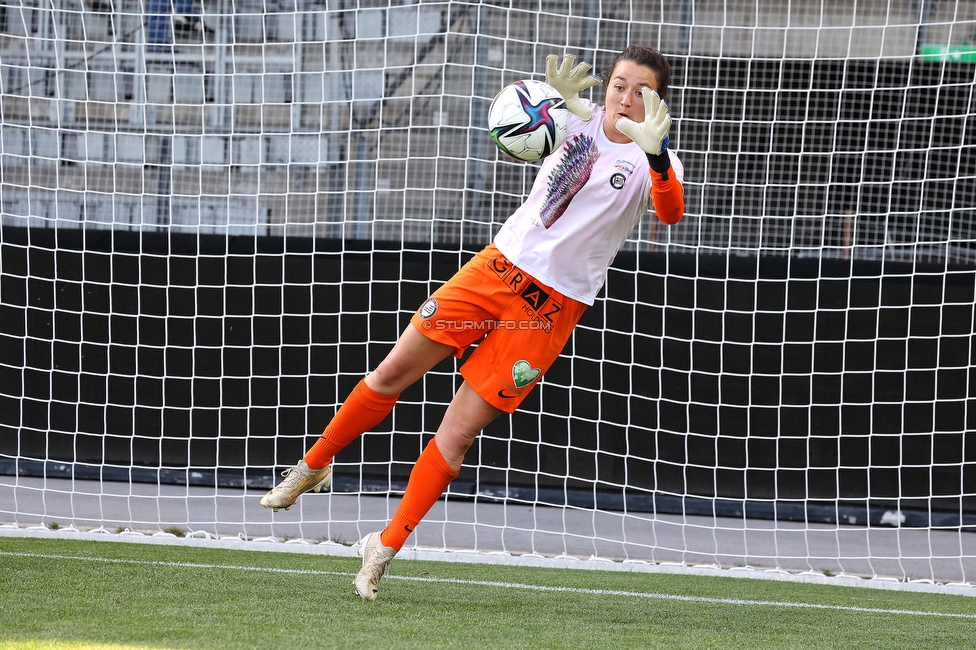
point(585, 202)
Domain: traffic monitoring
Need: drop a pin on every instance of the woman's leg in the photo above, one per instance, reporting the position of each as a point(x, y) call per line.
point(374, 397)
point(440, 462)
point(369, 403)
point(438, 465)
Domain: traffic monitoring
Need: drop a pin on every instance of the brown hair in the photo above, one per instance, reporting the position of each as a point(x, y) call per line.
point(646, 56)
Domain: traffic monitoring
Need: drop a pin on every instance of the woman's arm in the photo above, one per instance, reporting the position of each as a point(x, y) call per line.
point(667, 194)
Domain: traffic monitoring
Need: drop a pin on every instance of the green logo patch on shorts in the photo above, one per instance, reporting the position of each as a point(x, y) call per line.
point(524, 374)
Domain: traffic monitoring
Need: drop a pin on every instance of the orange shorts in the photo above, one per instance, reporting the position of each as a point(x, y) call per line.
point(525, 326)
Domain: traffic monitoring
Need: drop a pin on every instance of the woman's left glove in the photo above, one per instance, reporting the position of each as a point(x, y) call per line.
point(651, 135)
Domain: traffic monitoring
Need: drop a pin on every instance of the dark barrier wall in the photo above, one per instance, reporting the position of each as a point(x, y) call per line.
point(738, 377)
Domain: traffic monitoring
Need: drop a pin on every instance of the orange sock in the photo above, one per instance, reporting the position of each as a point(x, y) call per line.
point(429, 478)
point(362, 410)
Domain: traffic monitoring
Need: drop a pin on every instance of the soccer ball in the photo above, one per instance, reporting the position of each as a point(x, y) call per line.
point(528, 120)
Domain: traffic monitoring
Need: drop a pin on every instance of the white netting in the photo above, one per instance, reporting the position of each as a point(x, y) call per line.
point(217, 216)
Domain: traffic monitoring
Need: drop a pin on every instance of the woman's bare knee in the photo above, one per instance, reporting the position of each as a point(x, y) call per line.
point(412, 356)
point(466, 416)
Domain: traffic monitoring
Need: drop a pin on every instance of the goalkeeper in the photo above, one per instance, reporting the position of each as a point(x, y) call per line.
point(523, 294)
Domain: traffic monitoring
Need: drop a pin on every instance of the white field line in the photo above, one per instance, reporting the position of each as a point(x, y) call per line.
point(510, 585)
point(204, 539)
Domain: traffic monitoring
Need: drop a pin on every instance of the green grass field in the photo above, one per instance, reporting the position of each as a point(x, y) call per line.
point(58, 593)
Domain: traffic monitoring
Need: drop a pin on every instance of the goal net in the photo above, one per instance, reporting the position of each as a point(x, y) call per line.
point(218, 215)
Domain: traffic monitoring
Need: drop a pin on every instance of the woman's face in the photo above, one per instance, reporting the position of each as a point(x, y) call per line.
point(624, 98)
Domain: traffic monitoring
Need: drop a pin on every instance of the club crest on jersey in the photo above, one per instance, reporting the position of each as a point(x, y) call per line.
point(428, 309)
point(617, 181)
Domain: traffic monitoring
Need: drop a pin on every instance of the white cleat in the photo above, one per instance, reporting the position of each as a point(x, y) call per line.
point(298, 480)
point(376, 560)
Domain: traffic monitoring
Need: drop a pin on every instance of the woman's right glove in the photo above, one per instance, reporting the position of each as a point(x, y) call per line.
point(569, 81)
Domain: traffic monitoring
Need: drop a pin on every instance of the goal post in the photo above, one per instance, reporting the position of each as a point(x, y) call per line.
point(217, 216)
